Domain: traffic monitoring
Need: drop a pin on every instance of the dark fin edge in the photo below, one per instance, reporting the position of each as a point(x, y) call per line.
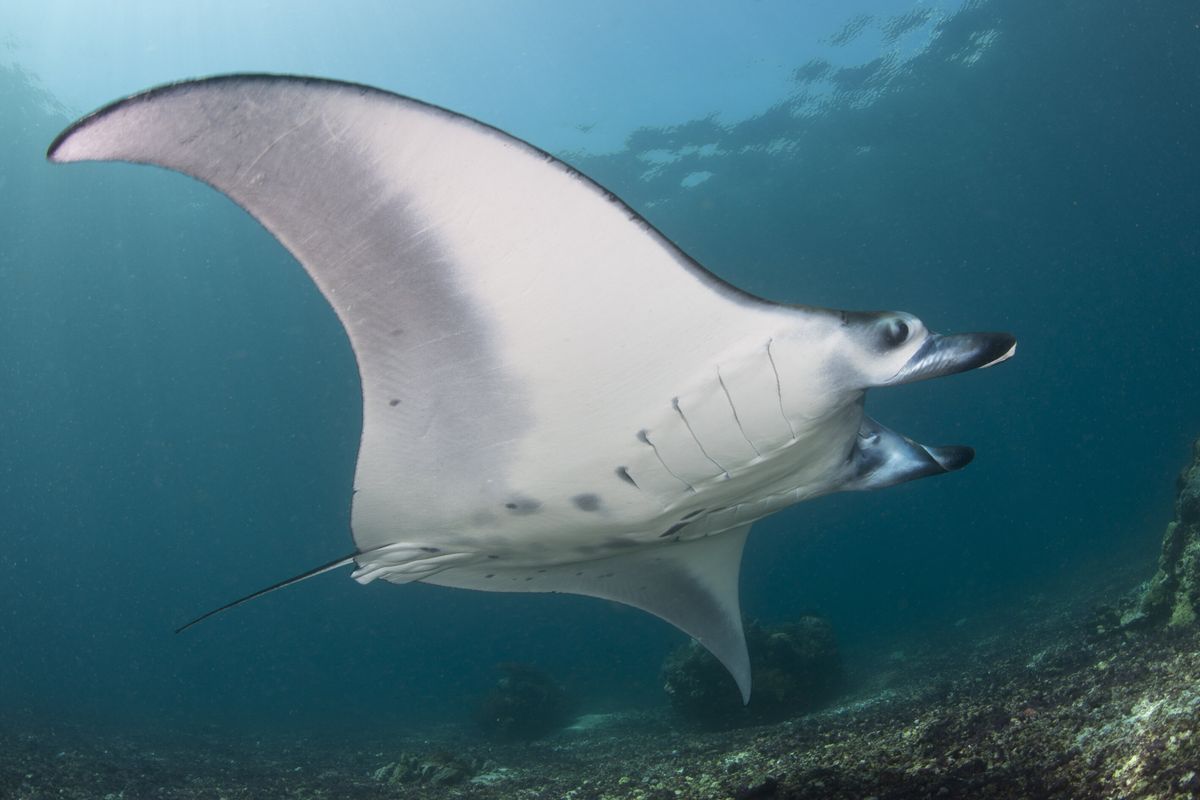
point(711, 279)
point(312, 573)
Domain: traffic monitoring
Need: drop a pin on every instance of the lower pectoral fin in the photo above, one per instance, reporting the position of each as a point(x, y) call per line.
point(691, 584)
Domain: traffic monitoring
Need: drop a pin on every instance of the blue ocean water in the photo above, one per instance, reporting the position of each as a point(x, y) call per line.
point(179, 408)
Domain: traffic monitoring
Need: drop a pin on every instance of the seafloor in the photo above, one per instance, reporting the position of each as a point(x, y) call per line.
point(1054, 701)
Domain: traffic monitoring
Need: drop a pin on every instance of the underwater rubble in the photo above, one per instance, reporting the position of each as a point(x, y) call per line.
point(1063, 713)
point(1071, 707)
point(1077, 697)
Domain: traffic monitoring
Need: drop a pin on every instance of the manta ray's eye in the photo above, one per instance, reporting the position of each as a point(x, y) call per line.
point(894, 332)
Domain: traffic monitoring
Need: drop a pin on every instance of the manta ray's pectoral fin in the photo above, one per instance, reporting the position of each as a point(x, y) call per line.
point(881, 457)
point(691, 584)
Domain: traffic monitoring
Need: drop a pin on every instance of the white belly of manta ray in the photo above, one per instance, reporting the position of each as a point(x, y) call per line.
point(555, 397)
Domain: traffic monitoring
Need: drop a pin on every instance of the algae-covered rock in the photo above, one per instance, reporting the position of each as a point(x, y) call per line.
point(426, 769)
point(525, 703)
point(796, 668)
point(1173, 594)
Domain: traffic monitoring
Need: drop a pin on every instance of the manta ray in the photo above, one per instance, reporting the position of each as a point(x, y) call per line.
point(555, 397)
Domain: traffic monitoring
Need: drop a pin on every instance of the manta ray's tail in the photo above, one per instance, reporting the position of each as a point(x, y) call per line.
point(339, 562)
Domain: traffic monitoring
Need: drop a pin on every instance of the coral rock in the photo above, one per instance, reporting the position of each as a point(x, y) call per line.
point(1173, 594)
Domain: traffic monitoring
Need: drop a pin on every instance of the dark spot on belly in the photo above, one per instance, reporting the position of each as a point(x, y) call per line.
point(586, 502)
point(490, 575)
point(491, 556)
point(623, 474)
point(529, 578)
point(432, 549)
point(523, 505)
point(691, 514)
point(393, 402)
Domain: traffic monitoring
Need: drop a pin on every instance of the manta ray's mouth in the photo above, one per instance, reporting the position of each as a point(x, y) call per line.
point(948, 354)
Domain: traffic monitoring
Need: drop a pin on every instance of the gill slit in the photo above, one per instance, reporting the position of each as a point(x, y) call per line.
point(736, 418)
point(645, 437)
point(688, 425)
point(779, 389)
